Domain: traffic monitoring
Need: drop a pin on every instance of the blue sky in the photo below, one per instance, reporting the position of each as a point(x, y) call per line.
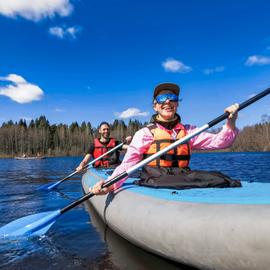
point(87, 60)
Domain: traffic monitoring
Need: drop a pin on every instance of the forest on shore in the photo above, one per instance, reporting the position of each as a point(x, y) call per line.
point(39, 136)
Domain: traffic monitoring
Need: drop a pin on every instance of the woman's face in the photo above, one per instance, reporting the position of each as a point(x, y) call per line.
point(167, 110)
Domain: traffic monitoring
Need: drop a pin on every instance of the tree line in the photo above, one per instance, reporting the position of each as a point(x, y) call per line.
point(39, 136)
point(254, 138)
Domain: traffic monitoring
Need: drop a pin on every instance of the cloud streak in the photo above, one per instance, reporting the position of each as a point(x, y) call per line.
point(58, 110)
point(257, 60)
point(209, 71)
point(175, 66)
point(131, 112)
point(65, 32)
point(19, 90)
point(35, 10)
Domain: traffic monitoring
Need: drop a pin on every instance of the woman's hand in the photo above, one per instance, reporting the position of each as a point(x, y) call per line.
point(127, 142)
point(232, 110)
point(98, 190)
point(128, 139)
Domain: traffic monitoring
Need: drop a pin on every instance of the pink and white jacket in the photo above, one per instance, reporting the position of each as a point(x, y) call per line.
point(143, 139)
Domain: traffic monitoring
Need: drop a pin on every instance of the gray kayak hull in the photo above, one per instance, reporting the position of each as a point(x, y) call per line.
point(207, 236)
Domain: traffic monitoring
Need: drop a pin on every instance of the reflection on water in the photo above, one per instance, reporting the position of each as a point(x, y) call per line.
point(125, 255)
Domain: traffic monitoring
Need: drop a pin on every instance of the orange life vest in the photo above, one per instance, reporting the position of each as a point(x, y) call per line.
point(177, 157)
point(100, 149)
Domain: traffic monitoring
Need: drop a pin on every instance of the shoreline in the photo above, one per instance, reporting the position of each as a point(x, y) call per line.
point(194, 152)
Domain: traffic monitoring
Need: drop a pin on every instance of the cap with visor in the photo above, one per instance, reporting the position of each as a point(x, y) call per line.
point(172, 87)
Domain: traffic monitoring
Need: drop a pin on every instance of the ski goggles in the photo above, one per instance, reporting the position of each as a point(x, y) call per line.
point(160, 99)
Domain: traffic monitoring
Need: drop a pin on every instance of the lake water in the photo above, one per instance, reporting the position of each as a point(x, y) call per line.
point(79, 239)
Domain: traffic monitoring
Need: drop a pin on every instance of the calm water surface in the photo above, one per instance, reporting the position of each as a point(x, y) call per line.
point(79, 240)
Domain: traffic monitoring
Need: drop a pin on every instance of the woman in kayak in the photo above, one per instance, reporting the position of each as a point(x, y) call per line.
point(165, 127)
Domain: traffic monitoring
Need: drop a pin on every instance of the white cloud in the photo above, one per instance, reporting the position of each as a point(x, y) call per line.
point(14, 78)
point(172, 65)
point(57, 31)
point(131, 112)
point(209, 71)
point(258, 60)
point(72, 31)
point(58, 110)
point(20, 90)
point(35, 10)
point(65, 32)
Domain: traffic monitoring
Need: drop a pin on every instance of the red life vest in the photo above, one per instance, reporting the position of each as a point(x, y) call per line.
point(100, 149)
point(177, 157)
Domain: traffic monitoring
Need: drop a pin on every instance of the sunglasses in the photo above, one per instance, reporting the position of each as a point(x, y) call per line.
point(160, 99)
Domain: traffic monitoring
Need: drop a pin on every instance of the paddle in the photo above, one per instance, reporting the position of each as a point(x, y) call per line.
point(54, 185)
point(39, 224)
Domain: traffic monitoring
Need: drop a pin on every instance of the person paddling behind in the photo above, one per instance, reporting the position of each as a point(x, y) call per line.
point(165, 128)
point(102, 145)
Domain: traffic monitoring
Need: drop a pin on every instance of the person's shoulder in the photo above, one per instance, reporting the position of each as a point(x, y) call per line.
point(91, 148)
point(145, 131)
point(189, 127)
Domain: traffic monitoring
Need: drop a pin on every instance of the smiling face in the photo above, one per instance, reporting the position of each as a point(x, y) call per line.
point(104, 132)
point(167, 110)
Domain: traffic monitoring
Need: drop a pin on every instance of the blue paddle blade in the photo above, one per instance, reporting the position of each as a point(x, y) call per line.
point(49, 186)
point(33, 225)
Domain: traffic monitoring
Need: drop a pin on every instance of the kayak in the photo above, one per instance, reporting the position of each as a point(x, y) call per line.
point(207, 228)
point(29, 158)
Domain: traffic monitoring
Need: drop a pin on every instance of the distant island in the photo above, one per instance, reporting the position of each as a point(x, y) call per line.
point(40, 137)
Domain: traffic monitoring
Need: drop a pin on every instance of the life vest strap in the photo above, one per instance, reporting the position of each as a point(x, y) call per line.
point(169, 157)
point(164, 141)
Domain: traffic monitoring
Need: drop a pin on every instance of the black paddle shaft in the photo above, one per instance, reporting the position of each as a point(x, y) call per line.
point(241, 106)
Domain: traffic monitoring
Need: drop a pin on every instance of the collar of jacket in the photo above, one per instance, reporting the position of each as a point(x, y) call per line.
point(166, 125)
